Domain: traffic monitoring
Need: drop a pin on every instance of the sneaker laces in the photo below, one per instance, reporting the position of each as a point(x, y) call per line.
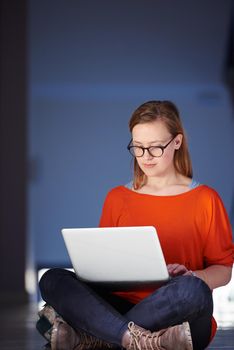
point(87, 341)
point(141, 339)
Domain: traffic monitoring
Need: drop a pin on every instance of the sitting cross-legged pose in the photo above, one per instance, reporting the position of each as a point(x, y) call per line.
point(196, 239)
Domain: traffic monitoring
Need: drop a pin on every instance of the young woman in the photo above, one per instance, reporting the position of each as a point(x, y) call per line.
point(195, 236)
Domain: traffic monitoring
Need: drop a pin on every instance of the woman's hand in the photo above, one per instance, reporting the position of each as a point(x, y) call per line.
point(177, 270)
point(214, 276)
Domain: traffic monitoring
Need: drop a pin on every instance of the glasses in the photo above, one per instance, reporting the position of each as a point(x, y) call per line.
point(154, 151)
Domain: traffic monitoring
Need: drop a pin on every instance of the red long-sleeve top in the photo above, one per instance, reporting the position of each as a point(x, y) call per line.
point(193, 227)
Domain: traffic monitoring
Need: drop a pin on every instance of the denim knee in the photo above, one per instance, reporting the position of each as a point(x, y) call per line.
point(50, 279)
point(196, 293)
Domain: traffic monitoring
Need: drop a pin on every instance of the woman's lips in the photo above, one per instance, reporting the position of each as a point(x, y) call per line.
point(149, 165)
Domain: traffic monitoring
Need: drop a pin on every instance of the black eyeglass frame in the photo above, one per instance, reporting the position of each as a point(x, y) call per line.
point(129, 147)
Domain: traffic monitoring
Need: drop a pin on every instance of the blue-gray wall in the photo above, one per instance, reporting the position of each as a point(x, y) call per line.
point(91, 64)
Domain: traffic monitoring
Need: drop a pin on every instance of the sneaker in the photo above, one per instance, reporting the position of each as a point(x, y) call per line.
point(172, 338)
point(46, 320)
point(177, 337)
point(64, 337)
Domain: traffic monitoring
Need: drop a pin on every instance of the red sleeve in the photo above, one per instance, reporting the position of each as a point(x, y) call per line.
point(106, 216)
point(219, 248)
point(112, 209)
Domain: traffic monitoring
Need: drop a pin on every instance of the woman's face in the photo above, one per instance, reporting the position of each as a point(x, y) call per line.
point(155, 134)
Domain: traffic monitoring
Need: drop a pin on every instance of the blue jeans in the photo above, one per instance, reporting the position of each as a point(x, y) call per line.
point(106, 316)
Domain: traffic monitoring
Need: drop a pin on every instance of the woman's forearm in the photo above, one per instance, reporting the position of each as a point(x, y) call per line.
point(215, 276)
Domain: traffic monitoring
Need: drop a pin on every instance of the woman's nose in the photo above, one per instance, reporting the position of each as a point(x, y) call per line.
point(147, 155)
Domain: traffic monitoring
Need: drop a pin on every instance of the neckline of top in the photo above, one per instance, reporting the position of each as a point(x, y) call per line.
point(191, 190)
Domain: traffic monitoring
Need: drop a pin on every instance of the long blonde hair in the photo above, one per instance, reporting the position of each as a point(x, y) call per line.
point(169, 114)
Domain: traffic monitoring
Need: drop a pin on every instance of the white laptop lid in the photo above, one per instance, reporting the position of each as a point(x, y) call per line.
point(127, 256)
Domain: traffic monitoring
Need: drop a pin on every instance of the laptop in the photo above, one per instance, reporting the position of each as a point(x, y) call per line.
point(118, 257)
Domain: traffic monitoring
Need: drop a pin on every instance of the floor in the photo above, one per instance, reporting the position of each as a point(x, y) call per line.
point(17, 331)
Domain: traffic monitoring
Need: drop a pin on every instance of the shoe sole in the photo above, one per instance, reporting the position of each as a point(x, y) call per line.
point(189, 345)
